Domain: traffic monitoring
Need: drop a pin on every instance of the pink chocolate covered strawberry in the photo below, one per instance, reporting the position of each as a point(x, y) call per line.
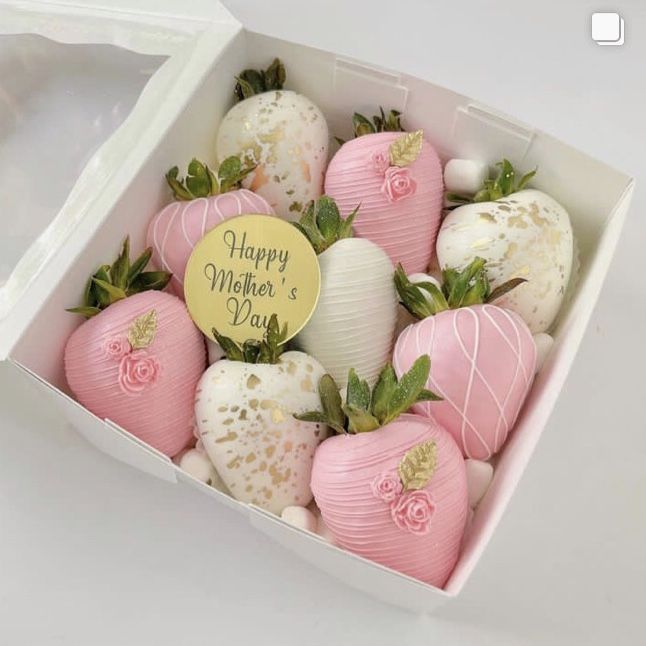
point(202, 201)
point(391, 486)
point(138, 358)
point(396, 177)
point(483, 357)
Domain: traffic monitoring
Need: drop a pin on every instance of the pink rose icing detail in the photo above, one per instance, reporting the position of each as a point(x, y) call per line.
point(413, 511)
point(117, 347)
point(380, 161)
point(398, 184)
point(137, 371)
point(386, 486)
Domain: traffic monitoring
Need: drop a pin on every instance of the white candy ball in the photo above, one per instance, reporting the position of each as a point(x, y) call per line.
point(479, 476)
point(197, 464)
point(465, 176)
point(544, 343)
point(215, 351)
point(300, 517)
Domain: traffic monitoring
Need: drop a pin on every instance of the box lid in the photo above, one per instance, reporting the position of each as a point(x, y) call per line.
point(76, 84)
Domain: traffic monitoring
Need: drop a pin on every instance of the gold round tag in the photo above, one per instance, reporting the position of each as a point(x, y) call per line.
point(246, 269)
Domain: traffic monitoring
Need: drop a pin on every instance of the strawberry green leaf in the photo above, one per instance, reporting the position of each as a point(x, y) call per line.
point(322, 224)
point(149, 280)
point(331, 403)
point(408, 389)
point(358, 392)
point(114, 293)
point(383, 392)
point(87, 312)
point(139, 265)
point(231, 349)
point(360, 420)
point(362, 126)
point(230, 168)
point(503, 289)
point(121, 266)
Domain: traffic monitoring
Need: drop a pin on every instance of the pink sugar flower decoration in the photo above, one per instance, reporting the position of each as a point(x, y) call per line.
point(117, 347)
point(386, 486)
point(398, 184)
point(137, 371)
point(413, 510)
point(380, 161)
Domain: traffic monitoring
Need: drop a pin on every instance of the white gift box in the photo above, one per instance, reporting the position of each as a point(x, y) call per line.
point(107, 124)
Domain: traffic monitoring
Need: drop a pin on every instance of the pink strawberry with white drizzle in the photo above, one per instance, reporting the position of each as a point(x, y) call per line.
point(483, 357)
point(396, 177)
point(203, 200)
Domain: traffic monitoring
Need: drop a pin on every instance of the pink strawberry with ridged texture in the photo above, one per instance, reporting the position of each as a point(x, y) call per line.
point(483, 359)
point(346, 471)
point(391, 486)
point(138, 358)
point(204, 201)
point(401, 194)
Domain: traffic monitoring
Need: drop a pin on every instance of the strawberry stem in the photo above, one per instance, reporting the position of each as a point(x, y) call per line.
point(253, 351)
point(322, 225)
point(201, 181)
point(365, 410)
point(251, 82)
point(502, 185)
point(112, 283)
point(459, 289)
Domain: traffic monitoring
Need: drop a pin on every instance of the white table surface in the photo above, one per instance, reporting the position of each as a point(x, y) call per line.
point(93, 552)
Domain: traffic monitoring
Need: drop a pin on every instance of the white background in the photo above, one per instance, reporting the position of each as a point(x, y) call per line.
point(93, 552)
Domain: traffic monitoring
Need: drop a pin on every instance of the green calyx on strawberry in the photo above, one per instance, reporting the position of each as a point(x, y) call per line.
point(503, 185)
point(381, 122)
point(364, 410)
point(112, 283)
point(322, 225)
point(459, 289)
point(254, 351)
point(201, 181)
point(252, 82)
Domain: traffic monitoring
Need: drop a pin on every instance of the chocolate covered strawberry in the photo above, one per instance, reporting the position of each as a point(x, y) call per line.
point(282, 133)
point(354, 320)
point(203, 200)
point(520, 232)
point(137, 359)
point(391, 486)
point(243, 410)
point(397, 178)
point(482, 356)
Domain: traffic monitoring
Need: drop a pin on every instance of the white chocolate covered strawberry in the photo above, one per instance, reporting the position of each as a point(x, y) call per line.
point(520, 232)
point(243, 411)
point(354, 321)
point(391, 486)
point(282, 133)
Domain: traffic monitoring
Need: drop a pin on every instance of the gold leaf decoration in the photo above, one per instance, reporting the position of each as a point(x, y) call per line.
point(141, 332)
point(405, 149)
point(418, 465)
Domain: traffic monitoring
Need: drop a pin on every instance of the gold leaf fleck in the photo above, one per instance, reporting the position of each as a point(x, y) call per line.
point(405, 149)
point(141, 332)
point(418, 465)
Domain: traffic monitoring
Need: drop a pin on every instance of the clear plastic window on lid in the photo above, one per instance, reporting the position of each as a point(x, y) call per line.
point(58, 104)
